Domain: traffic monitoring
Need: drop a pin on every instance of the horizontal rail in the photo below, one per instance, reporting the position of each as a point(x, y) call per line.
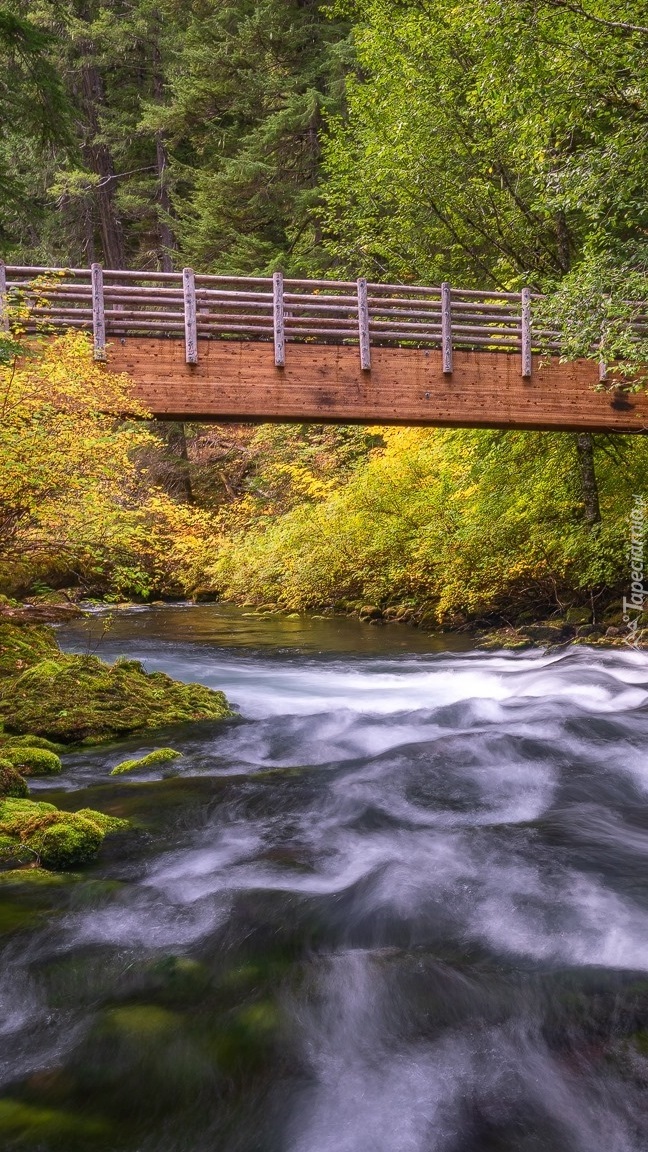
point(111, 302)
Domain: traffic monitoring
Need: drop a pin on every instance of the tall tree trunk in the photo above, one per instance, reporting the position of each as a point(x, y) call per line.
point(589, 485)
point(167, 239)
point(165, 233)
point(176, 439)
point(99, 159)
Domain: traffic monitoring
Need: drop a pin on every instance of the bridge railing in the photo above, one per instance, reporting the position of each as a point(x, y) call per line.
point(194, 307)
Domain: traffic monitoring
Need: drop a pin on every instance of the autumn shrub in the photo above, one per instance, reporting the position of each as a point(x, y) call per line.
point(77, 505)
point(469, 522)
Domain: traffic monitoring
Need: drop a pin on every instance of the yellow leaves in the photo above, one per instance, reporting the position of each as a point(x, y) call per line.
point(68, 473)
point(303, 482)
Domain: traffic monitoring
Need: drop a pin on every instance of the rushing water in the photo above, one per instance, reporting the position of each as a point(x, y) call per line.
point(401, 905)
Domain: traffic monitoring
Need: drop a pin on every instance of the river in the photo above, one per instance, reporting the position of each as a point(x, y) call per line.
point(400, 905)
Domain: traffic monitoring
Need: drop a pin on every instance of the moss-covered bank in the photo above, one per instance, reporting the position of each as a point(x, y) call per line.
point(75, 699)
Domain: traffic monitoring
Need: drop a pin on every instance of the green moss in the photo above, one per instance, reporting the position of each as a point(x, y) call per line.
point(65, 841)
point(35, 877)
point(104, 822)
point(11, 782)
point(58, 840)
point(12, 852)
point(31, 742)
point(15, 812)
point(159, 756)
point(70, 699)
point(22, 646)
point(33, 761)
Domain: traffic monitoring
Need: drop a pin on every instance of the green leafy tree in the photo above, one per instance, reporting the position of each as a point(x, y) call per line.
point(33, 110)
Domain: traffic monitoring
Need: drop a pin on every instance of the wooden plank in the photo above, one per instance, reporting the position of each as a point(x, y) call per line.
point(278, 320)
point(4, 310)
point(98, 312)
point(526, 334)
point(446, 328)
point(191, 334)
point(237, 380)
point(363, 325)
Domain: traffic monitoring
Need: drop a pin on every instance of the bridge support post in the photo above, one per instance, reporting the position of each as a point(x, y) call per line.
point(526, 333)
point(446, 329)
point(191, 330)
point(98, 312)
point(363, 325)
point(278, 321)
point(4, 313)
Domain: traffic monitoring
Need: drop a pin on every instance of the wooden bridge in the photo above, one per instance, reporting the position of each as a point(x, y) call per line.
point(248, 348)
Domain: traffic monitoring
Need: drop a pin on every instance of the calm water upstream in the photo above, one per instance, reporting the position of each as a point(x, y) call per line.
point(401, 905)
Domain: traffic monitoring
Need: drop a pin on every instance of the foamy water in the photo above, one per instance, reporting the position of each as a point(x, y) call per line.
point(398, 906)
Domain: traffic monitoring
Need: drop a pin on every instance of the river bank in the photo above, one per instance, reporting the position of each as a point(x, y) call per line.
point(606, 628)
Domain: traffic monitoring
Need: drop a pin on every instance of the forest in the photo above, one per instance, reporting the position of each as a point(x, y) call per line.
point(499, 144)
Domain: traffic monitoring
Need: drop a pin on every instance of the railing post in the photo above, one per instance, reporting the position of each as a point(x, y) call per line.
point(602, 365)
point(363, 325)
point(278, 319)
point(98, 312)
point(191, 330)
point(446, 329)
point(526, 333)
point(4, 310)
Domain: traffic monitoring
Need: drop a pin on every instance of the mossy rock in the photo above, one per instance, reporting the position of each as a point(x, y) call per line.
point(12, 852)
point(30, 742)
point(158, 756)
point(35, 877)
point(74, 699)
point(103, 821)
point(57, 840)
point(12, 784)
point(142, 1021)
point(22, 646)
point(33, 761)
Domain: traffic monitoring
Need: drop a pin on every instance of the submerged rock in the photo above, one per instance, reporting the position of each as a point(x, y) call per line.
point(40, 832)
point(74, 699)
point(23, 1124)
point(159, 756)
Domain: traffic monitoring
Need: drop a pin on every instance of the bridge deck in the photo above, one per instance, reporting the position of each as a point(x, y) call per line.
point(239, 381)
point(255, 349)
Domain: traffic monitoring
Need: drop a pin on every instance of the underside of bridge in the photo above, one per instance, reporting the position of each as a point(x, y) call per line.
point(238, 381)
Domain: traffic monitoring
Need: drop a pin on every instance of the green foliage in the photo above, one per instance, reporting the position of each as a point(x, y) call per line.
point(523, 137)
point(198, 126)
point(250, 89)
point(472, 523)
point(495, 143)
point(158, 756)
point(33, 109)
